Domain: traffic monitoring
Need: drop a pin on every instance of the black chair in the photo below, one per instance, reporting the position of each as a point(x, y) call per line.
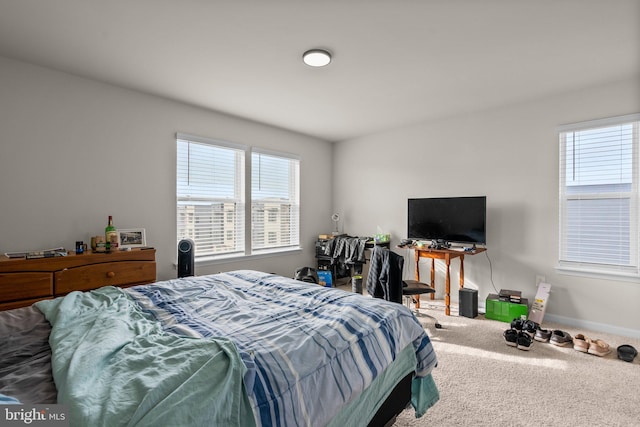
point(385, 280)
point(412, 288)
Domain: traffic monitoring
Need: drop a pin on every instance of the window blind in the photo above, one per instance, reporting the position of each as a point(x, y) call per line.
point(210, 196)
point(599, 195)
point(275, 201)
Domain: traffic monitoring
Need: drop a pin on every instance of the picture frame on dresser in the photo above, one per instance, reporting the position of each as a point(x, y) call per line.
point(132, 238)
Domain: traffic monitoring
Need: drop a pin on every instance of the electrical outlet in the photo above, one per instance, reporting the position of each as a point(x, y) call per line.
point(540, 279)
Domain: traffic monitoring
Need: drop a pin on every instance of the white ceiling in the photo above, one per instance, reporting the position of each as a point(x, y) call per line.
point(395, 62)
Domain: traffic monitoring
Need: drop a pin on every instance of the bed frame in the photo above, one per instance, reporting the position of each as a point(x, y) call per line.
point(398, 401)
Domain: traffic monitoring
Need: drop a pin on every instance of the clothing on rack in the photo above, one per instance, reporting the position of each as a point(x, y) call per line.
point(349, 250)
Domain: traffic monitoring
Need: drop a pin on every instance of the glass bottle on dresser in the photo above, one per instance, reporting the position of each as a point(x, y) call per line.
point(111, 237)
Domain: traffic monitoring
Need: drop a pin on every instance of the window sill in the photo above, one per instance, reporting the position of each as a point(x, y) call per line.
point(257, 255)
point(593, 273)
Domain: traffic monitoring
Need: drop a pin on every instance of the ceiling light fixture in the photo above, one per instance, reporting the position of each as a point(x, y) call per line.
point(316, 57)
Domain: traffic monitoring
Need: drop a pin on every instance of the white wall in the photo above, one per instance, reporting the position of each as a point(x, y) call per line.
point(74, 151)
point(511, 156)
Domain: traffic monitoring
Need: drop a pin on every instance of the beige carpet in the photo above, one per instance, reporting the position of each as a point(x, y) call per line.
point(484, 382)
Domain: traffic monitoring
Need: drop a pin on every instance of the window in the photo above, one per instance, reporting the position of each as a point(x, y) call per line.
point(211, 192)
point(599, 196)
point(210, 186)
point(274, 191)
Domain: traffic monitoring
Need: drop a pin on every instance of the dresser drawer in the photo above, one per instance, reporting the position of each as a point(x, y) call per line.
point(20, 303)
point(121, 273)
point(17, 286)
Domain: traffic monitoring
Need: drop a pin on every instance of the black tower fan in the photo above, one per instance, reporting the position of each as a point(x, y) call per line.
point(185, 258)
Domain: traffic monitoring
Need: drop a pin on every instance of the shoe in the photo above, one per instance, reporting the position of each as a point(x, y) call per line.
point(627, 352)
point(560, 338)
point(524, 341)
point(511, 337)
point(581, 343)
point(517, 324)
point(530, 327)
point(542, 335)
point(599, 348)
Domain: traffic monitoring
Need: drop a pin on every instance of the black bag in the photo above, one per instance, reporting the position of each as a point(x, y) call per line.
point(306, 274)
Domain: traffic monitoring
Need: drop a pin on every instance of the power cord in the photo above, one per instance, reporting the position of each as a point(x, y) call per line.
point(491, 271)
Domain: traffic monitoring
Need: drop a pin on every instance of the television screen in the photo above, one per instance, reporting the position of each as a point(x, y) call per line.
point(451, 219)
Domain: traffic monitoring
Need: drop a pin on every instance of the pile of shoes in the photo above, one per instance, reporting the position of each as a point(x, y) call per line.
point(523, 331)
point(521, 334)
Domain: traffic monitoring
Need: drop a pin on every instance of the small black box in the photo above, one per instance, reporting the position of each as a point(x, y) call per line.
point(468, 303)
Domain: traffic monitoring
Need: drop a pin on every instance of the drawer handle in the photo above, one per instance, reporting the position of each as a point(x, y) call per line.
point(111, 274)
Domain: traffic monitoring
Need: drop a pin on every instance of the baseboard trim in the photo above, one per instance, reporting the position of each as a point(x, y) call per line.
point(595, 326)
point(586, 324)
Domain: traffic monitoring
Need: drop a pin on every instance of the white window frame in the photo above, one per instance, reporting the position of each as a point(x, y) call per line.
point(288, 227)
point(245, 196)
point(568, 261)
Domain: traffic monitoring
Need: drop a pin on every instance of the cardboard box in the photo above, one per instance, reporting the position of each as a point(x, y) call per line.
point(504, 311)
point(539, 305)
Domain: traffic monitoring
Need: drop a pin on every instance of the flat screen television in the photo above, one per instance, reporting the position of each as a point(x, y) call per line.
point(448, 219)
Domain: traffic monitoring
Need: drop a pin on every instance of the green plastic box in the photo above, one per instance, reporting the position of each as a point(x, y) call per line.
point(504, 311)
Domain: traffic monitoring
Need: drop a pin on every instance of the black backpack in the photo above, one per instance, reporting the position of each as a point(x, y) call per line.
point(306, 274)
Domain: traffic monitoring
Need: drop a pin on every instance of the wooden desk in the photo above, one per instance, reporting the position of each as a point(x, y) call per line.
point(447, 255)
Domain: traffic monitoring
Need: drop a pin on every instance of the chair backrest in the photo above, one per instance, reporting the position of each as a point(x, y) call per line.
point(385, 275)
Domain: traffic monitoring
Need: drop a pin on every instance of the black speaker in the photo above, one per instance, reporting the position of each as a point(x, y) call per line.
point(185, 258)
point(468, 302)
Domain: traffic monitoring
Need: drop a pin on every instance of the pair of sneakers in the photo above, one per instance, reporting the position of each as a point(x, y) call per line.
point(521, 334)
point(518, 339)
point(528, 326)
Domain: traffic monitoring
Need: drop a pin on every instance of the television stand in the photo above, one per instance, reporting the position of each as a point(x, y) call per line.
point(447, 255)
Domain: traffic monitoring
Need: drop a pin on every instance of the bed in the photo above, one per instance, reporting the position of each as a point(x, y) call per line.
point(237, 348)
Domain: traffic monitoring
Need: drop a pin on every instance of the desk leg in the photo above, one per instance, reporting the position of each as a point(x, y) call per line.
point(447, 288)
point(433, 277)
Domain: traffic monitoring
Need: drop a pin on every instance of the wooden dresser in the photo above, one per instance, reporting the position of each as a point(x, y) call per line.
point(25, 281)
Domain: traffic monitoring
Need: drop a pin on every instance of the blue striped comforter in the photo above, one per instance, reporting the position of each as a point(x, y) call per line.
point(309, 350)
